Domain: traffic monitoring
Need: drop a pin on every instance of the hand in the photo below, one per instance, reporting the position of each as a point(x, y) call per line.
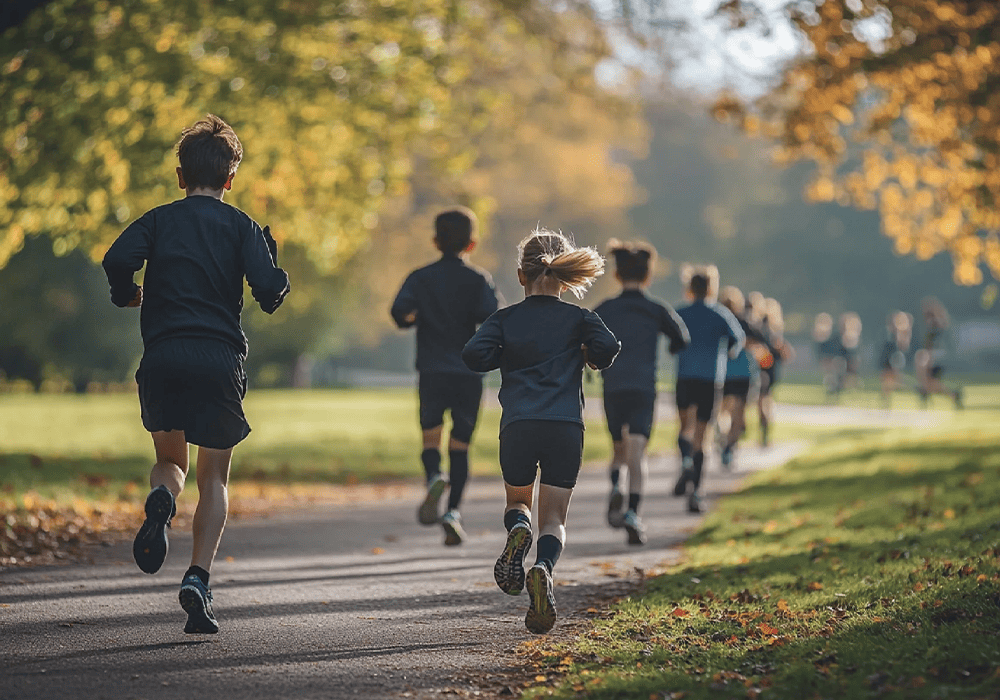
point(411, 317)
point(586, 357)
point(136, 300)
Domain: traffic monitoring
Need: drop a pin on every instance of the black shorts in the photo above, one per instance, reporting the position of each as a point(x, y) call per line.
point(459, 393)
point(197, 386)
point(554, 447)
point(631, 408)
point(738, 387)
point(696, 392)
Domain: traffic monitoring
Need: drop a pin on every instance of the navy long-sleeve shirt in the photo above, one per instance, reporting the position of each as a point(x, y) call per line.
point(743, 366)
point(536, 344)
point(709, 324)
point(197, 251)
point(637, 321)
point(450, 299)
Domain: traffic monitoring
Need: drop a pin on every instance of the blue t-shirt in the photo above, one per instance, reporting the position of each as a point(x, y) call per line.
point(537, 345)
point(637, 321)
point(197, 251)
point(713, 329)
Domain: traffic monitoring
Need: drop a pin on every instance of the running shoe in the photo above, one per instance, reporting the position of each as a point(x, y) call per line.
point(634, 527)
point(150, 546)
point(427, 513)
point(615, 503)
point(196, 599)
point(694, 503)
point(454, 533)
point(541, 602)
point(958, 399)
point(509, 569)
point(687, 474)
point(727, 458)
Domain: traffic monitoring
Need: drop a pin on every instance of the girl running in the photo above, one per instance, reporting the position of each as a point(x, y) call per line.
point(742, 373)
point(773, 328)
point(928, 359)
point(540, 346)
point(701, 371)
point(892, 362)
point(630, 383)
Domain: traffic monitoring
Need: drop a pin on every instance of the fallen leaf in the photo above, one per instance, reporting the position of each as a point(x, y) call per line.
point(815, 586)
point(783, 605)
point(680, 612)
point(378, 550)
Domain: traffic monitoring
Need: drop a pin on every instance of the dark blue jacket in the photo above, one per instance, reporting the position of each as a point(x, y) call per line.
point(451, 298)
point(197, 251)
point(637, 321)
point(743, 366)
point(711, 327)
point(537, 345)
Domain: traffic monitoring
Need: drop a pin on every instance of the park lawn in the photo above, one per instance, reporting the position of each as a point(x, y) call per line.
point(868, 567)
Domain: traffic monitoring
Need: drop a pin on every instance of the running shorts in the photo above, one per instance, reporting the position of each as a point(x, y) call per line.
point(696, 392)
point(553, 447)
point(459, 393)
point(631, 408)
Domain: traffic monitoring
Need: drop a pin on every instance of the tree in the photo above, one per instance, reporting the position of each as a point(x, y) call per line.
point(897, 101)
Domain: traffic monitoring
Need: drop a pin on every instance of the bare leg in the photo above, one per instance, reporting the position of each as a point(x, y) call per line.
point(636, 459)
point(618, 455)
point(213, 504)
point(432, 438)
point(171, 466)
point(737, 411)
point(553, 507)
point(519, 498)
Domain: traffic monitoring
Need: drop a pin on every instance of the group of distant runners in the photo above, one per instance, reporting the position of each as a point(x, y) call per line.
point(198, 250)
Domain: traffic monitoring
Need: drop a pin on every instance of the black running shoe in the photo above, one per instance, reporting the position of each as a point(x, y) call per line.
point(634, 527)
point(196, 599)
point(615, 503)
point(541, 602)
point(687, 474)
point(694, 503)
point(150, 546)
point(429, 511)
point(509, 569)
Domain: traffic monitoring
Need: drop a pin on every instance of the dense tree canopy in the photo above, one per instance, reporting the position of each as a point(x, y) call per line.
point(898, 103)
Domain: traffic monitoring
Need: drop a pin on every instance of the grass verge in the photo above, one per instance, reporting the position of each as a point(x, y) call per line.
point(869, 567)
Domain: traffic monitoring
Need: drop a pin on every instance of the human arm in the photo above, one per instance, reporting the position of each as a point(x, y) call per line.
point(125, 257)
point(734, 333)
point(268, 282)
point(600, 347)
point(489, 300)
point(483, 351)
point(674, 328)
point(404, 307)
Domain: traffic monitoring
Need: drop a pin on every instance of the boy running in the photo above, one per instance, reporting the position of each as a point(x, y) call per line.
point(701, 371)
point(197, 250)
point(446, 300)
point(637, 321)
point(540, 346)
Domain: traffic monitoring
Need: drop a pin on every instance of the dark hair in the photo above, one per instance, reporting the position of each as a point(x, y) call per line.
point(633, 261)
point(209, 153)
point(454, 229)
point(701, 280)
point(545, 252)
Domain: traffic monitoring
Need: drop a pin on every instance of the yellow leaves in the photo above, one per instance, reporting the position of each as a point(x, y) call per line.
point(842, 114)
point(821, 190)
point(783, 605)
point(815, 586)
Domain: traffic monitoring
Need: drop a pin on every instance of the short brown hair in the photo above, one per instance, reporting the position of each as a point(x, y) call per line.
point(545, 252)
point(454, 229)
point(209, 153)
point(701, 280)
point(633, 261)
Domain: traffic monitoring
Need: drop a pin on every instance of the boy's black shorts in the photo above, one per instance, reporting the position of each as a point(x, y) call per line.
point(459, 393)
point(553, 446)
point(631, 408)
point(696, 392)
point(194, 385)
point(737, 386)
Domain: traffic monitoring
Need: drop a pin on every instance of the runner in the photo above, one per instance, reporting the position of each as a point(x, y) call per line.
point(780, 350)
point(637, 320)
point(196, 250)
point(892, 361)
point(715, 334)
point(540, 346)
point(929, 359)
point(445, 301)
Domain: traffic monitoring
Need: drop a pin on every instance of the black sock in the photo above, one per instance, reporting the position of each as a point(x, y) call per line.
point(547, 551)
point(685, 446)
point(615, 475)
point(633, 501)
point(458, 474)
point(514, 516)
point(699, 460)
point(431, 458)
point(199, 572)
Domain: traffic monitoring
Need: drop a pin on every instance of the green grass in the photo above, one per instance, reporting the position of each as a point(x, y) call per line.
point(869, 567)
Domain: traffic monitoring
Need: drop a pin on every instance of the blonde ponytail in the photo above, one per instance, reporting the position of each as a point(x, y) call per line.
point(545, 252)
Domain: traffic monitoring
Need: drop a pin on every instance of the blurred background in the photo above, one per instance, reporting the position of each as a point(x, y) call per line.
point(837, 156)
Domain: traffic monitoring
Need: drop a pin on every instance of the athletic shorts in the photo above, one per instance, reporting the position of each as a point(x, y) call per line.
point(194, 385)
point(696, 392)
point(738, 387)
point(553, 446)
point(631, 408)
point(459, 393)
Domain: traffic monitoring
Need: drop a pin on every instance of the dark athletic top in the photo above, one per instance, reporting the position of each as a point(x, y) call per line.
point(637, 321)
point(743, 366)
point(536, 344)
point(451, 298)
point(710, 324)
point(197, 251)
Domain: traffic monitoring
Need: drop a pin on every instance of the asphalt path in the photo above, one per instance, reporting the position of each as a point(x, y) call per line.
point(350, 600)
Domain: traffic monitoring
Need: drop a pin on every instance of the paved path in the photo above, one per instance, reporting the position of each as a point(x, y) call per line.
point(350, 601)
